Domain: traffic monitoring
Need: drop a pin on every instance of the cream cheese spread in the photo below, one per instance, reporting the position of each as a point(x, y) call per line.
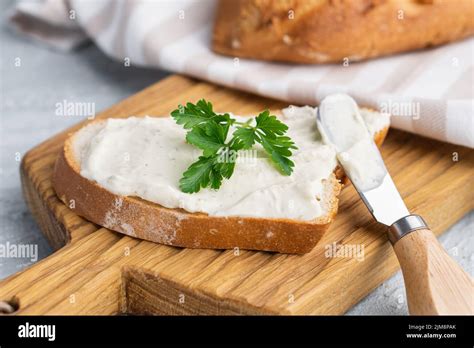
point(145, 157)
point(343, 127)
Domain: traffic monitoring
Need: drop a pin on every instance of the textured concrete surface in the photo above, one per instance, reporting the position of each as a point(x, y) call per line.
point(28, 95)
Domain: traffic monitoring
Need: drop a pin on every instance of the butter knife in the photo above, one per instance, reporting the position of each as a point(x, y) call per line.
point(434, 282)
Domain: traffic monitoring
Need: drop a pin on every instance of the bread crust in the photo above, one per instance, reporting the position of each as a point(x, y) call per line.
point(324, 31)
point(150, 221)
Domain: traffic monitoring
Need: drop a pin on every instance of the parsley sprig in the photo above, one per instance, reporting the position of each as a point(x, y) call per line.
point(209, 132)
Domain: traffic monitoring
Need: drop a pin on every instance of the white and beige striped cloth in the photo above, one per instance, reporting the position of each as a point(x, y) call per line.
point(429, 92)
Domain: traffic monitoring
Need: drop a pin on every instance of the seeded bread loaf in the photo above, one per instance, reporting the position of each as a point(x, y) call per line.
point(322, 31)
point(140, 218)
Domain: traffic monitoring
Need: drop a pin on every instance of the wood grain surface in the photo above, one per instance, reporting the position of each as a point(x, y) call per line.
point(97, 271)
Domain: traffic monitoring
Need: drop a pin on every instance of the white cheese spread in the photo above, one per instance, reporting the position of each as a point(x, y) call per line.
point(145, 157)
point(342, 126)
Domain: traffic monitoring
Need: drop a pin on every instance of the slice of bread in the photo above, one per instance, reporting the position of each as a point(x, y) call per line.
point(143, 219)
point(325, 31)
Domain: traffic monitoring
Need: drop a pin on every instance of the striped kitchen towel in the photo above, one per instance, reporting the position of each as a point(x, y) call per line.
point(430, 92)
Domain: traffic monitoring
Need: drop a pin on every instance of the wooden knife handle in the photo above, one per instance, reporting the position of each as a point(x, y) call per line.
point(434, 282)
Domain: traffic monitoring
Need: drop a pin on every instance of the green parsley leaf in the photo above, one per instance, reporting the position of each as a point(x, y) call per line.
point(198, 175)
point(208, 131)
point(225, 168)
point(279, 152)
point(270, 125)
point(193, 115)
point(209, 137)
point(245, 137)
point(270, 133)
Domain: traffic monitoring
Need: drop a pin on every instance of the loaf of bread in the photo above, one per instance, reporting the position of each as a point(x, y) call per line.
point(324, 31)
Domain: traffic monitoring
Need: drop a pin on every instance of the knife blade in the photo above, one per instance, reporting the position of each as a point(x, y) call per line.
point(381, 195)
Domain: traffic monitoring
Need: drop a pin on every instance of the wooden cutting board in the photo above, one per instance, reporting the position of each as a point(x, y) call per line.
point(96, 271)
